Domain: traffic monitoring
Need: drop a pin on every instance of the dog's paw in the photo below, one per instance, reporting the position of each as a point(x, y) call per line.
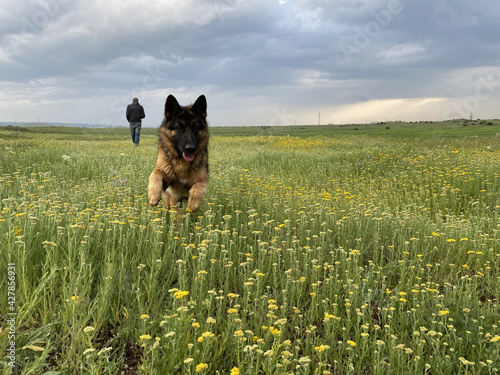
point(154, 202)
point(155, 188)
point(193, 205)
point(154, 197)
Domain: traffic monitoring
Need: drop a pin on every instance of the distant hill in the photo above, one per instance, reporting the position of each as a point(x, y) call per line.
point(39, 124)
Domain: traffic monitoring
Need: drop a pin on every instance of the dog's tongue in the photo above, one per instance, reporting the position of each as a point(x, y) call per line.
point(188, 157)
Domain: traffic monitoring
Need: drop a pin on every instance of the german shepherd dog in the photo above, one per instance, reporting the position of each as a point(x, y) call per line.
point(182, 163)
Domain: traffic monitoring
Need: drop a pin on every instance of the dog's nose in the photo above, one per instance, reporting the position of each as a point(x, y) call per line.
point(190, 149)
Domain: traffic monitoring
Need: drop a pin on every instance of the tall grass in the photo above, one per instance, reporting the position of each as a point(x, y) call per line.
point(313, 255)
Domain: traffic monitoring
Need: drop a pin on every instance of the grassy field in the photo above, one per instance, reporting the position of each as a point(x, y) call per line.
point(365, 249)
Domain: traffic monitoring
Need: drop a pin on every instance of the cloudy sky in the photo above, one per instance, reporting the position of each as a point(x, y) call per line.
point(259, 62)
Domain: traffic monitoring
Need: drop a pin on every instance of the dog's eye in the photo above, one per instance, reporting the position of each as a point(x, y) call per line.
point(198, 125)
point(173, 125)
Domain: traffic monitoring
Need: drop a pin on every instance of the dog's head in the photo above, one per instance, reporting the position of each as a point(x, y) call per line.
point(186, 125)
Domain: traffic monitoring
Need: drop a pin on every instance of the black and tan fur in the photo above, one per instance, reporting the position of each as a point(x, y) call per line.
point(182, 163)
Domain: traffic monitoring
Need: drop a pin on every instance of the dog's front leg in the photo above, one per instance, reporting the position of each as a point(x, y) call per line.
point(155, 187)
point(196, 195)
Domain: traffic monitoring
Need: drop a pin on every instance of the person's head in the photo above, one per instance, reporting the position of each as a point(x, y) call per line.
point(135, 100)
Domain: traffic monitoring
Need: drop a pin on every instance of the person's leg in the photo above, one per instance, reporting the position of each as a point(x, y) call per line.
point(137, 134)
point(132, 131)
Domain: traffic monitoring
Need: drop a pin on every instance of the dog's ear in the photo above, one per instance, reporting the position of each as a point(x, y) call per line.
point(200, 106)
point(172, 107)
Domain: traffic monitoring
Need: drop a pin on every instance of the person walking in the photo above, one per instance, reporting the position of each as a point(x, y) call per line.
point(135, 113)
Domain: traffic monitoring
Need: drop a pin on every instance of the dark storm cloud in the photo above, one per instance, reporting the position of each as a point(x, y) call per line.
point(302, 54)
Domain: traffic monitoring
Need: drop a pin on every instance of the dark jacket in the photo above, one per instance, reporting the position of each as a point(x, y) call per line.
point(135, 112)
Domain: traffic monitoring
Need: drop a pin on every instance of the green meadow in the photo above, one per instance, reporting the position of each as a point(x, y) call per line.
point(362, 249)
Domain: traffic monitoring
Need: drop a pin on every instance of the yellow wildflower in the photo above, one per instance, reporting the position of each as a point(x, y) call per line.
point(321, 348)
point(201, 367)
point(181, 294)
